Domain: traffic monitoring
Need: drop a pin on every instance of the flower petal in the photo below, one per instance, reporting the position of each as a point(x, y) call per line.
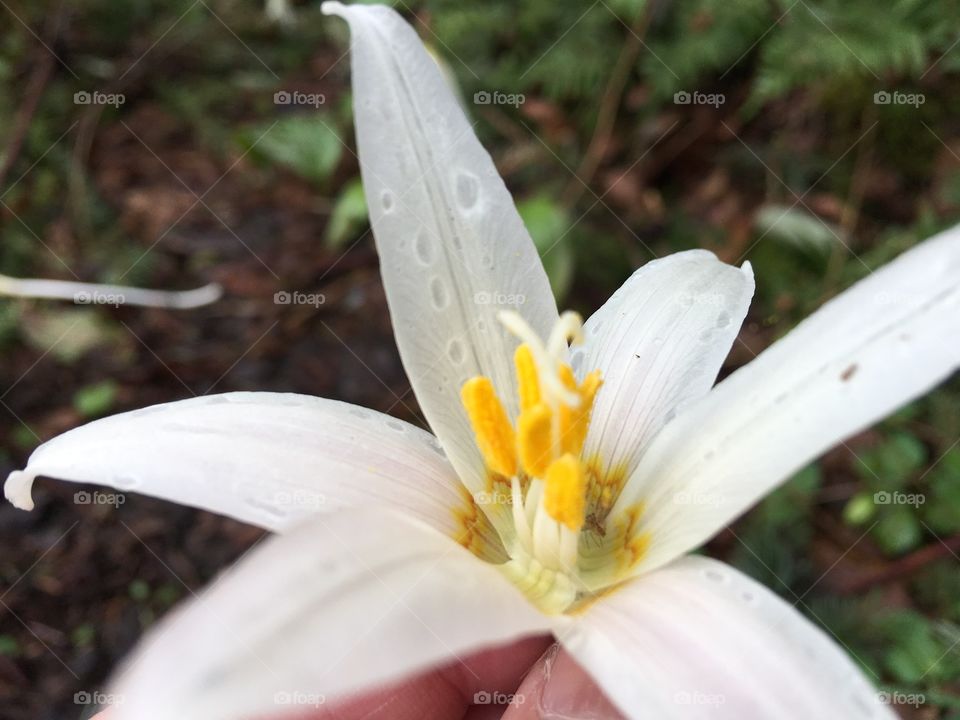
point(341, 602)
point(453, 249)
point(264, 458)
point(882, 343)
point(659, 342)
point(698, 639)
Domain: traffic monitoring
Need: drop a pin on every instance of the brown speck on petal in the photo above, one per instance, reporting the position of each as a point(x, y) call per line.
point(849, 372)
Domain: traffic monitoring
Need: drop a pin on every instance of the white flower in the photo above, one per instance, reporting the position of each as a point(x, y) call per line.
point(570, 484)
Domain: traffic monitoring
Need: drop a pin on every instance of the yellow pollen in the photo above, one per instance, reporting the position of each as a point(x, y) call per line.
point(535, 441)
point(494, 433)
point(564, 492)
point(575, 421)
point(528, 383)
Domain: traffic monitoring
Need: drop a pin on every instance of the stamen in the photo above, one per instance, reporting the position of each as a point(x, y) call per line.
point(494, 433)
point(528, 383)
point(546, 364)
point(564, 495)
point(535, 439)
point(574, 422)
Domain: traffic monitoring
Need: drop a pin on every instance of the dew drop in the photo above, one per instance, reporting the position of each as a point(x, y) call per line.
point(386, 201)
point(438, 294)
point(456, 352)
point(396, 425)
point(715, 576)
point(467, 190)
point(723, 319)
point(423, 248)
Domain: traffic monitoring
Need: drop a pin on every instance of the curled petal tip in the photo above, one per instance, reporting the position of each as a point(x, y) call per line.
point(331, 7)
point(17, 489)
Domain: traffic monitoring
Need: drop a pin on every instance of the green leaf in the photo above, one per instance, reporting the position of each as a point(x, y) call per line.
point(891, 464)
point(139, 590)
point(83, 635)
point(9, 646)
point(914, 650)
point(859, 509)
point(307, 145)
point(348, 216)
point(95, 400)
point(796, 228)
point(548, 223)
point(942, 507)
point(898, 530)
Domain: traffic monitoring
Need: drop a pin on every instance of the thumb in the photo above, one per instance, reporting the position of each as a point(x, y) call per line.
point(557, 688)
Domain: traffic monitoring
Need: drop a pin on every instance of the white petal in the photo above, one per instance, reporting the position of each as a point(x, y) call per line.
point(264, 458)
point(659, 341)
point(698, 639)
point(883, 342)
point(340, 603)
point(453, 250)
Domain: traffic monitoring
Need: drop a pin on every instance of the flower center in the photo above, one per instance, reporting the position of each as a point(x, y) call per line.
point(540, 456)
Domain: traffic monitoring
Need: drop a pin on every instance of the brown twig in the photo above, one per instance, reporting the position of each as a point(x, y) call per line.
point(39, 78)
point(904, 567)
point(609, 104)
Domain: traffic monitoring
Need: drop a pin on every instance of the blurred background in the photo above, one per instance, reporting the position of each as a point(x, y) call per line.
point(168, 145)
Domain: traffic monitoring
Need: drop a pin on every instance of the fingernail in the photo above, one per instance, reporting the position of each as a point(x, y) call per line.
point(568, 693)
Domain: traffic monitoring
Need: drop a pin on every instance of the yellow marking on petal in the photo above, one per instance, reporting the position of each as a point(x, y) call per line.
point(474, 531)
point(535, 440)
point(574, 422)
point(563, 494)
point(634, 544)
point(494, 433)
point(528, 383)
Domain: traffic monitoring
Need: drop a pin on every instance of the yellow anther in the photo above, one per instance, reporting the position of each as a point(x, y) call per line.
point(534, 437)
point(567, 377)
point(575, 421)
point(495, 436)
point(528, 384)
point(564, 492)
